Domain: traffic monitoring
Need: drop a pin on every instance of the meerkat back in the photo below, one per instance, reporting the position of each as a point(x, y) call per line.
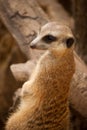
point(44, 98)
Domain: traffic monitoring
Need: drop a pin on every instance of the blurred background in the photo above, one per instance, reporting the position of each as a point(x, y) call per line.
point(15, 27)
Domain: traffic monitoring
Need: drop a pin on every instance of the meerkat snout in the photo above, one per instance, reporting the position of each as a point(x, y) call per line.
point(33, 46)
point(43, 42)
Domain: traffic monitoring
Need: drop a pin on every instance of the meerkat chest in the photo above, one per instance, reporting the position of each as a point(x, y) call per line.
point(50, 116)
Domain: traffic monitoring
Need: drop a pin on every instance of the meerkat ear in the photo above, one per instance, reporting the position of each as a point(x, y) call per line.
point(69, 42)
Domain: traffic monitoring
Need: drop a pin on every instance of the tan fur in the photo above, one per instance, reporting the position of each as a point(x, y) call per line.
point(44, 99)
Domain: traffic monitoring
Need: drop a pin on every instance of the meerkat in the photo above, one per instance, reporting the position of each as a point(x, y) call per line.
point(44, 98)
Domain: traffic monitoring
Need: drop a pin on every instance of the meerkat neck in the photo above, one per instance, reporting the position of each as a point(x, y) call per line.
point(51, 70)
point(51, 76)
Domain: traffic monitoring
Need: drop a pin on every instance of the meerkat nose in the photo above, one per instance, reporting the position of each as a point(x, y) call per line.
point(33, 46)
point(69, 42)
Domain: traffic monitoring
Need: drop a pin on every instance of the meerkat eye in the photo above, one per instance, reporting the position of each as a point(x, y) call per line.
point(69, 42)
point(49, 38)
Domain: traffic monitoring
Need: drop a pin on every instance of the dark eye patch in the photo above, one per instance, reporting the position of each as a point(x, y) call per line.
point(49, 38)
point(69, 42)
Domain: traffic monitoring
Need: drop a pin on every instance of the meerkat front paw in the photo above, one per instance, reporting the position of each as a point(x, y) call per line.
point(26, 89)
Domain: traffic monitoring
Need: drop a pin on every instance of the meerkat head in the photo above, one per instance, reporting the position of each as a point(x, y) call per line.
point(53, 36)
